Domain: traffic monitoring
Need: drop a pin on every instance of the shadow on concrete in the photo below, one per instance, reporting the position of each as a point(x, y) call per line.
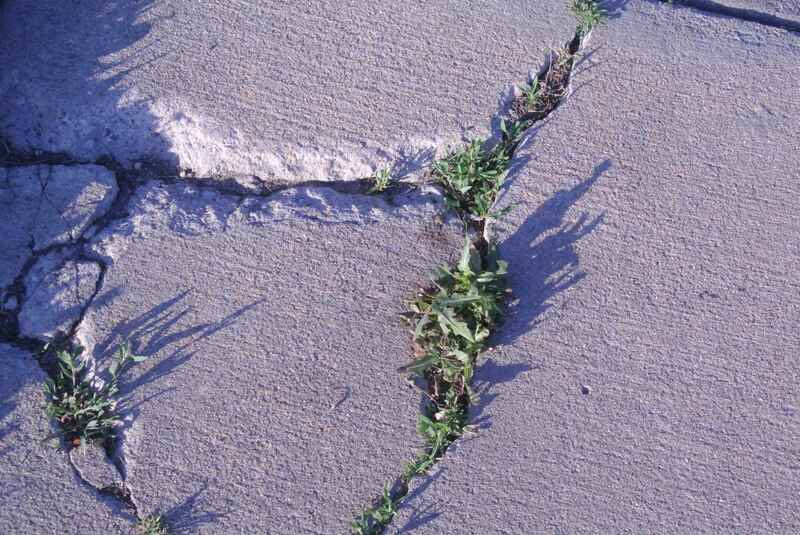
point(80, 102)
point(543, 262)
point(191, 515)
point(725, 10)
point(542, 257)
point(423, 514)
point(614, 8)
point(161, 328)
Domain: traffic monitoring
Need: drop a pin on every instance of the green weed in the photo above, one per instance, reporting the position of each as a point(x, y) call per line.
point(589, 14)
point(530, 94)
point(453, 320)
point(472, 176)
point(381, 180)
point(374, 520)
point(152, 525)
point(85, 413)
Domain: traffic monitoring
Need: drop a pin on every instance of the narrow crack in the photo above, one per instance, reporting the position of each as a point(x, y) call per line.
point(741, 13)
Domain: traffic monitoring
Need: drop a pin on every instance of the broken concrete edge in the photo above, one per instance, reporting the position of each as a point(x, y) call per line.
point(377, 516)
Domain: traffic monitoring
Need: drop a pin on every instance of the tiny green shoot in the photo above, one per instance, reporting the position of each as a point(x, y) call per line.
point(381, 180)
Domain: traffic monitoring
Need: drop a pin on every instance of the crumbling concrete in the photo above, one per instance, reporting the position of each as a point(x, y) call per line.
point(45, 205)
point(57, 290)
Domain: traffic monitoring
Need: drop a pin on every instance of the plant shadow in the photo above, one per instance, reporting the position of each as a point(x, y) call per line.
point(543, 263)
point(425, 513)
point(191, 514)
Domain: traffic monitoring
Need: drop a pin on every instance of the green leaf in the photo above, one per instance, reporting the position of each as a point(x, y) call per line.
point(458, 300)
point(446, 319)
point(420, 365)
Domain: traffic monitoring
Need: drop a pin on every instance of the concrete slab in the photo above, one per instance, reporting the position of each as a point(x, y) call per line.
point(270, 402)
point(39, 491)
point(45, 205)
point(647, 376)
point(310, 90)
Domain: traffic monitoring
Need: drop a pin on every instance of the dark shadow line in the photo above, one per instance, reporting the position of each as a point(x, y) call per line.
point(740, 13)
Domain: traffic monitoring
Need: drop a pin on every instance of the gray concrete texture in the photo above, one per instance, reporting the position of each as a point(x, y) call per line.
point(44, 205)
point(646, 376)
point(270, 402)
point(312, 90)
point(39, 491)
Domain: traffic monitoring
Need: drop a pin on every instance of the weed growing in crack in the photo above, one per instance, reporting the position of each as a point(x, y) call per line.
point(381, 180)
point(152, 525)
point(472, 175)
point(530, 94)
point(374, 520)
point(85, 413)
point(453, 320)
point(471, 178)
point(541, 95)
point(589, 14)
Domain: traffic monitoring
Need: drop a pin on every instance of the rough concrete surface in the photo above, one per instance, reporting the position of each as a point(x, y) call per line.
point(646, 379)
point(270, 402)
point(43, 205)
point(57, 289)
point(38, 489)
point(293, 90)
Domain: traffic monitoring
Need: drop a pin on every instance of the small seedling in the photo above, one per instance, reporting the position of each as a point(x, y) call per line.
point(530, 94)
point(380, 181)
point(589, 14)
point(152, 525)
point(85, 413)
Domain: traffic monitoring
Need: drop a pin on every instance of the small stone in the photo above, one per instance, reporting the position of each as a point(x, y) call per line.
point(586, 390)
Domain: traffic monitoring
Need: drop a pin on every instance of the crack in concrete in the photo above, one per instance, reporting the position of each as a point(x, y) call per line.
point(559, 86)
point(128, 182)
point(750, 15)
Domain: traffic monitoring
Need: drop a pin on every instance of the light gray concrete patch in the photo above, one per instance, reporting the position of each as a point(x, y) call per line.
point(270, 402)
point(655, 260)
point(38, 489)
point(294, 90)
point(44, 205)
point(57, 289)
